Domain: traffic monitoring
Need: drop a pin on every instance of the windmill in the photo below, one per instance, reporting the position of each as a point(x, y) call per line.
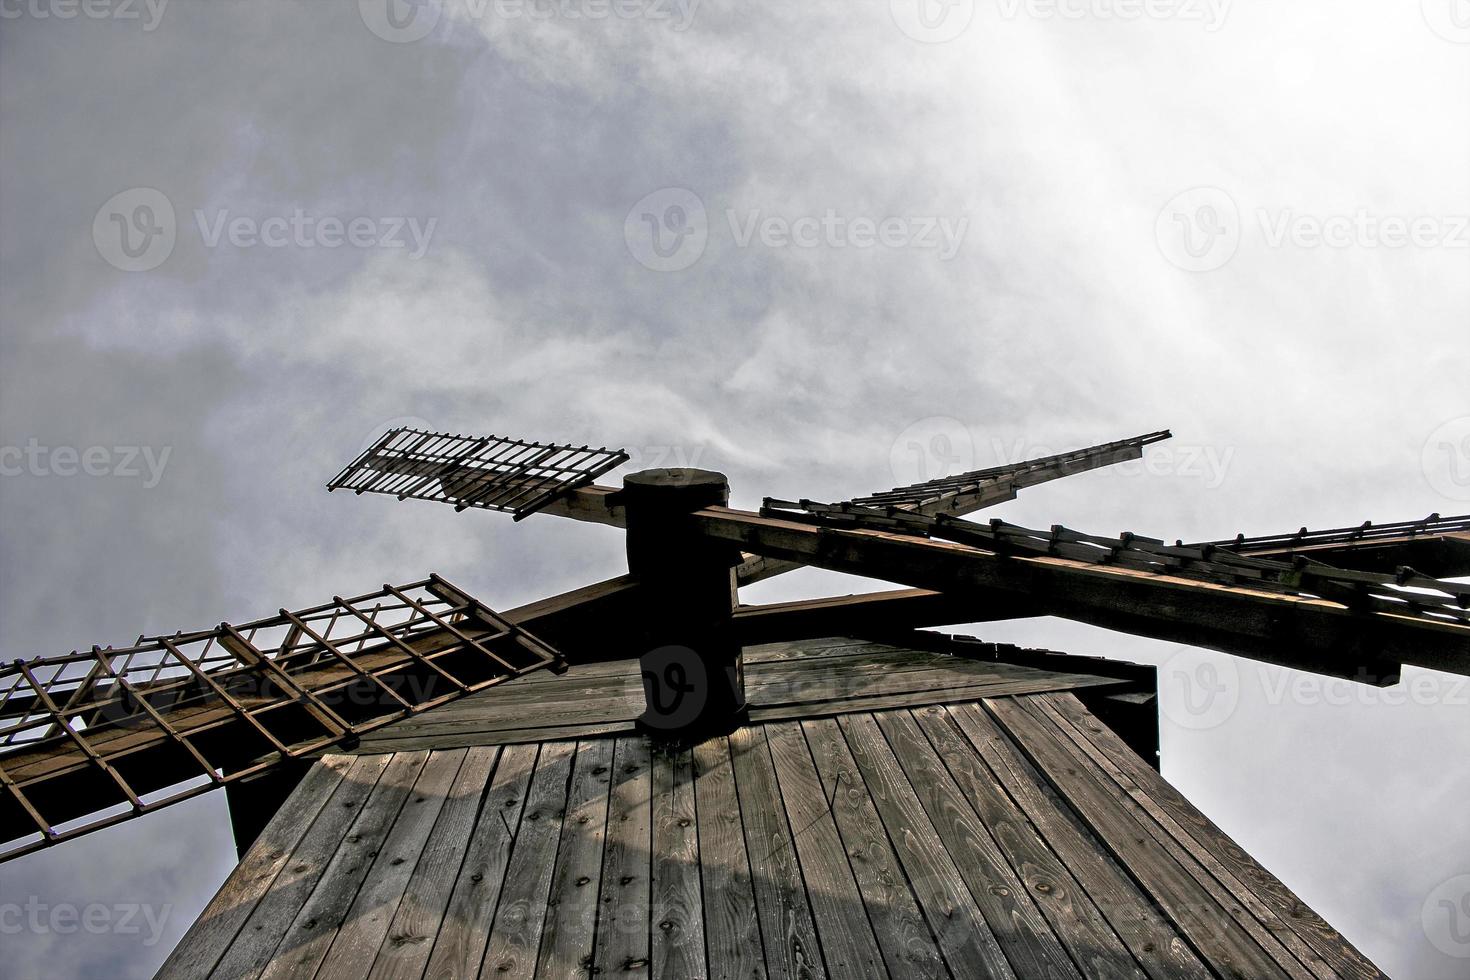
point(424, 786)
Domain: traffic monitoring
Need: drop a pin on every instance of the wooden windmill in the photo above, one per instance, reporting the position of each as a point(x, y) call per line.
point(697, 787)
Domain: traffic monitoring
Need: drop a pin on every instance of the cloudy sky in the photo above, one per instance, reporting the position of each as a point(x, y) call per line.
point(825, 247)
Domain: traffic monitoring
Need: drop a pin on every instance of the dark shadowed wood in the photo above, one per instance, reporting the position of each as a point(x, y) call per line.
point(1241, 909)
point(310, 934)
point(571, 914)
point(786, 927)
point(622, 923)
point(849, 948)
point(1143, 782)
point(676, 912)
point(1152, 939)
point(1209, 928)
point(410, 939)
point(732, 935)
point(462, 937)
point(904, 938)
point(362, 934)
point(913, 778)
point(515, 938)
point(1082, 929)
point(221, 920)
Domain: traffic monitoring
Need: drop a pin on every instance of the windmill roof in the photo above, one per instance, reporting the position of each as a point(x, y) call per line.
point(919, 806)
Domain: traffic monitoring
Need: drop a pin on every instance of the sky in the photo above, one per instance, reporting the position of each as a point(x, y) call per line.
point(825, 248)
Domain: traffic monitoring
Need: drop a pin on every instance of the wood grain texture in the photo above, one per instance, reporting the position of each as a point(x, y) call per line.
point(904, 939)
point(622, 948)
point(677, 910)
point(410, 937)
point(515, 937)
point(788, 934)
point(571, 914)
point(462, 937)
point(732, 935)
point(217, 926)
point(849, 948)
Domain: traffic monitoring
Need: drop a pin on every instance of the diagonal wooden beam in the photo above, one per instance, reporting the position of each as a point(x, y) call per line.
point(1291, 630)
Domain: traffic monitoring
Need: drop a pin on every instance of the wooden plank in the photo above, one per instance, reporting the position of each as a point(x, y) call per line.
point(460, 945)
point(1210, 929)
point(366, 925)
point(786, 927)
point(514, 736)
point(1200, 866)
point(310, 934)
point(217, 926)
point(571, 915)
point(1214, 851)
point(1153, 940)
point(918, 791)
point(908, 947)
point(515, 937)
point(1076, 920)
point(261, 933)
point(677, 910)
point(849, 947)
point(622, 948)
point(411, 935)
point(731, 926)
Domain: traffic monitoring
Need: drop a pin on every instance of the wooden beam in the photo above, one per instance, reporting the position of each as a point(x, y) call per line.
point(1296, 631)
point(865, 614)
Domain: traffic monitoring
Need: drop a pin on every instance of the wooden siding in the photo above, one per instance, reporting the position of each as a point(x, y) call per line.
point(1013, 836)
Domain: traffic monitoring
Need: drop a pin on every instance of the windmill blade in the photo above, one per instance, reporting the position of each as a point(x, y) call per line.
point(975, 490)
point(488, 472)
point(90, 739)
point(1438, 546)
point(1344, 623)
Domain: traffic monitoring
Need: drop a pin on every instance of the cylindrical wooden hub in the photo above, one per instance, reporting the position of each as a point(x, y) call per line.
point(693, 683)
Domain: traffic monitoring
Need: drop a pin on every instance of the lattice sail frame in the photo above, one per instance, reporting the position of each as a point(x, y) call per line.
point(1406, 593)
point(488, 472)
point(231, 702)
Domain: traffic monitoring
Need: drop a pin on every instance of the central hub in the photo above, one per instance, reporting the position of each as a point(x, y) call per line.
point(693, 681)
